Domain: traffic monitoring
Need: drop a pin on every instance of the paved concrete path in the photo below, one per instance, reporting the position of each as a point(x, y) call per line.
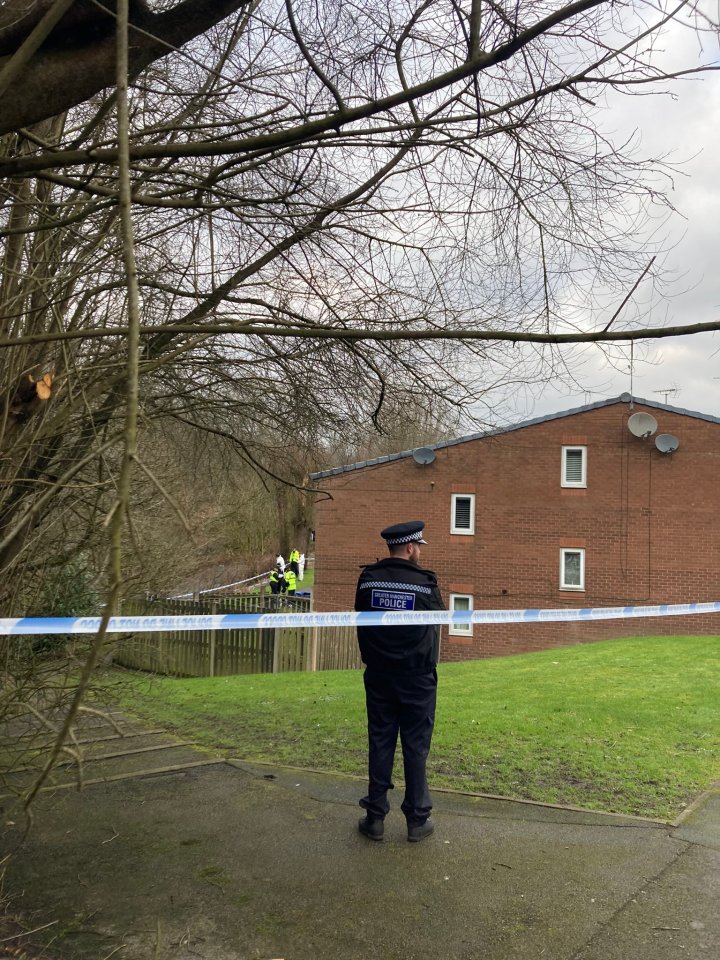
point(187, 857)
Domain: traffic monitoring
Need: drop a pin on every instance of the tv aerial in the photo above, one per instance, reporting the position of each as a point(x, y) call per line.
point(423, 455)
point(666, 443)
point(642, 425)
point(668, 392)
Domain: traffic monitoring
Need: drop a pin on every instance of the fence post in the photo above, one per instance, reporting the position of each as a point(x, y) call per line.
point(277, 636)
point(213, 610)
point(311, 660)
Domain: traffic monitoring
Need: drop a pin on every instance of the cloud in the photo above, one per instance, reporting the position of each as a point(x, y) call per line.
point(684, 126)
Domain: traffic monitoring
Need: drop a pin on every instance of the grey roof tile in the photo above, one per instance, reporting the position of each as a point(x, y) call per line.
point(347, 468)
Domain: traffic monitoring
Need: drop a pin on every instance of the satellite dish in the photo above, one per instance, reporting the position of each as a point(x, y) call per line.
point(423, 455)
point(625, 397)
point(666, 443)
point(642, 425)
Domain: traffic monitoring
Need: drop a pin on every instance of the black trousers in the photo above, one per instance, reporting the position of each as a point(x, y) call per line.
point(402, 704)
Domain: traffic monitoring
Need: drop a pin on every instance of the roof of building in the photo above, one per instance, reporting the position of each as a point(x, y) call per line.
point(623, 398)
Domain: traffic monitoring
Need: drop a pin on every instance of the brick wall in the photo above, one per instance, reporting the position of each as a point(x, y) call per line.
point(649, 524)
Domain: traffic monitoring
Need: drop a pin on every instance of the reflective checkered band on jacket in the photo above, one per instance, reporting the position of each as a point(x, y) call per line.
point(407, 539)
point(386, 585)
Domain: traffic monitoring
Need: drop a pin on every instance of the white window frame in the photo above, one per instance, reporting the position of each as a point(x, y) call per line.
point(564, 482)
point(464, 531)
point(460, 629)
point(572, 586)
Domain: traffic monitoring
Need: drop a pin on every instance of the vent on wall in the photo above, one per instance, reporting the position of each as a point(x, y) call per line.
point(463, 513)
point(574, 466)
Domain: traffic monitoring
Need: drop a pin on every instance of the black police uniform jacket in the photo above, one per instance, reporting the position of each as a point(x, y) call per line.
point(394, 584)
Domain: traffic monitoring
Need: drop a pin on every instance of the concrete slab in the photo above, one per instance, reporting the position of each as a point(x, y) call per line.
point(675, 915)
point(107, 722)
point(703, 824)
point(229, 862)
point(104, 748)
point(104, 768)
point(327, 786)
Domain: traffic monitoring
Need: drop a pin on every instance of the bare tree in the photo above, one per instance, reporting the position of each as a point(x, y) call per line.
point(325, 203)
point(296, 211)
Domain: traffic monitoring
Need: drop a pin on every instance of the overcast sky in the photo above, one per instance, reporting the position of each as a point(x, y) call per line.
point(685, 371)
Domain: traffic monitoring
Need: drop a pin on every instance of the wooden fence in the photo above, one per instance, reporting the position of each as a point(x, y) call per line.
point(219, 653)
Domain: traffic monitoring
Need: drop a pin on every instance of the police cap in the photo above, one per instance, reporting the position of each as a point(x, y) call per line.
point(404, 533)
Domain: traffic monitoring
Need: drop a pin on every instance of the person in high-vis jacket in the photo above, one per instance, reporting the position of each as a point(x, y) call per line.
point(400, 680)
point(276, 579)
point(291, 581)
point(294, 562)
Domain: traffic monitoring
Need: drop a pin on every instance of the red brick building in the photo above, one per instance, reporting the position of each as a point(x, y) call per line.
point(568, 510)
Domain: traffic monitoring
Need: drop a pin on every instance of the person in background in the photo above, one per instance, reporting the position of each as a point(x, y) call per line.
point(400, 680)
point(280, 562)
point(293, 561)
point(276, 575)
point(301, 567)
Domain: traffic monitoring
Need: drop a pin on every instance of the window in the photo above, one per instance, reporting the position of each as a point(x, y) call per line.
point(463, 513)
point(574, 467)
point(572, 569)
point(460, 601)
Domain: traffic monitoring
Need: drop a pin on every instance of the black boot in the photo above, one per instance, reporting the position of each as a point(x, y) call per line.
point(370, 828)
point(418, 831)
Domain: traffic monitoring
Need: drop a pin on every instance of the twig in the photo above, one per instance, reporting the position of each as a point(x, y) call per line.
point(106, 716)
point(113, 837)
point(114, 951)
point(614, 317)
point(170, 499)
point(26, 933)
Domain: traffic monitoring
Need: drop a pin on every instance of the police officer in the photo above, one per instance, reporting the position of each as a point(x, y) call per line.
point(275, 580)
point(400, 679)
point(291, 581)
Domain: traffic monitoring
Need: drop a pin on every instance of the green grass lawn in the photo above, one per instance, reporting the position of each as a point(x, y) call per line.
point(630, 726)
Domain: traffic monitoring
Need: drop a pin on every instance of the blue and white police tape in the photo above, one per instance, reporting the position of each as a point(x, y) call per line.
point(271, 621)
point(224, 586)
